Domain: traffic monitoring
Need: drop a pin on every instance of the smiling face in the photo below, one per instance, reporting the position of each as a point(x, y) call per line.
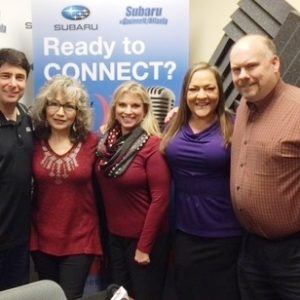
point(203, 95)
point(61, 114)
point(12, 84)
point(254, 68)
point(129, 112)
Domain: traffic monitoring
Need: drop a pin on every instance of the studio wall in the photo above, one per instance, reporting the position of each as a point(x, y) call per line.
point(208, 18)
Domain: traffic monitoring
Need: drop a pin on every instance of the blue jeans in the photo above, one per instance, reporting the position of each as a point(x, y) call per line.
point(14, 267)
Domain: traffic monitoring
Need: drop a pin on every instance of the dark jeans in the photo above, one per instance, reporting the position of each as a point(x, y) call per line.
point(141, 282)
point(70, 272)
point(14, 267)
point(270, 269)
point(206, 268)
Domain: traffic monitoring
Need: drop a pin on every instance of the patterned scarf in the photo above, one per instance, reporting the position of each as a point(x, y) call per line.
point(116, 152)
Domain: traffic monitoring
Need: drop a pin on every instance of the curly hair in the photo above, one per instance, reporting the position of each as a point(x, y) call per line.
point(69, 88)
point(149, 123)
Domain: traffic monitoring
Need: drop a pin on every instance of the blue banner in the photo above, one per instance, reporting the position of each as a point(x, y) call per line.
point(103, 43)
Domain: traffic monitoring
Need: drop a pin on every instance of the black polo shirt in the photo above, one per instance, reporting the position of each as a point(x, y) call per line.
point(16, 148)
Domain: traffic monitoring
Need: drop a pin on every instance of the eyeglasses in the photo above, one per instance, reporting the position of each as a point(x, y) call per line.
point(68, 108)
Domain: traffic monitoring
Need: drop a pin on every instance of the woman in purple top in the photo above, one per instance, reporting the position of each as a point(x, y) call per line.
point(197, 146)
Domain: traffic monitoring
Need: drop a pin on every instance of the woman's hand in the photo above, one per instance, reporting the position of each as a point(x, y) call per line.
point(141, 258)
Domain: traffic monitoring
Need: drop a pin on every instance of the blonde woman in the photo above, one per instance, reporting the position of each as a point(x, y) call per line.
point(135, 183)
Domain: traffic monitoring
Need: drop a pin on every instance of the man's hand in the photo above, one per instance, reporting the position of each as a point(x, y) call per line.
point(103, 128)
point(141, 258)
point(171, 114)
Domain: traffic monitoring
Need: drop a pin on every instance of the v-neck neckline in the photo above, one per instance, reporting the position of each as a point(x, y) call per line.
point(57, 154)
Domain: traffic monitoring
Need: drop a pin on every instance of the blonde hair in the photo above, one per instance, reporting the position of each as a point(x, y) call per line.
point(184, 113)
point(149, 123)
point(69, 88)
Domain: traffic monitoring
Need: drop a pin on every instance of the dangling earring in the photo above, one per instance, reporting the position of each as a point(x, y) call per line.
point(74, 127)
point(46, 124)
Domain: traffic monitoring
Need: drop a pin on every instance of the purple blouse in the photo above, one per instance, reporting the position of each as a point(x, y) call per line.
point(200, 167)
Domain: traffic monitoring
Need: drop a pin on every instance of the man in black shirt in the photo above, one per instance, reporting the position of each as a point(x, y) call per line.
point(16, 147)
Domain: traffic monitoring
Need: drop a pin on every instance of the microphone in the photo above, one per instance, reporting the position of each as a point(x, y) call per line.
point(116, 292)
point(162, 100)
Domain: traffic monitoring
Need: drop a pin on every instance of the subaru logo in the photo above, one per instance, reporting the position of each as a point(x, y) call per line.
point(75, 12)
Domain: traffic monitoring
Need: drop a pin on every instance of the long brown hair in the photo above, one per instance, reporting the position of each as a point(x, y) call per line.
point(184, 113)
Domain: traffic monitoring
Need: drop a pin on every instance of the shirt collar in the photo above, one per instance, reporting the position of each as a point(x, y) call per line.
point(5, 122)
